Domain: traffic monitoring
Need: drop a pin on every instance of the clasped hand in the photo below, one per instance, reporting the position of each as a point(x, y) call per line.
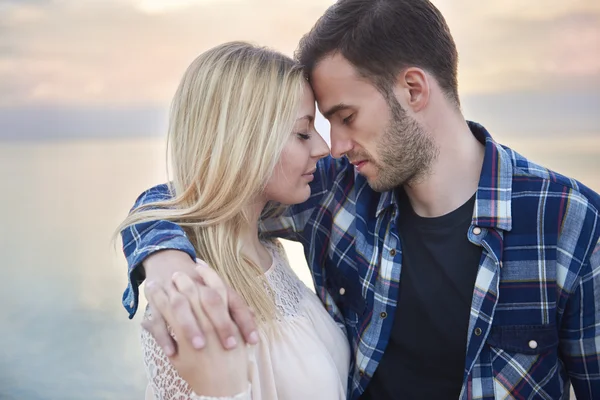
point(206, 347)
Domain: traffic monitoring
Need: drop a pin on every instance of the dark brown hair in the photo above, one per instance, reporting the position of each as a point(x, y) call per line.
point(381, 38)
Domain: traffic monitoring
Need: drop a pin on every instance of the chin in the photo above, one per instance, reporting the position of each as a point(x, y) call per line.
point(379, 186)
point(301, 195)
point(295, 196)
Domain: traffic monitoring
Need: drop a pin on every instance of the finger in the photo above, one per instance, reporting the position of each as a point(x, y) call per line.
point(243, 316)
point(190, 289)
point(215, 308)
point(186, 286)
point(156, 324)
point(194, 273)
point(157, 327)
point(212, 279)
point(184, 321)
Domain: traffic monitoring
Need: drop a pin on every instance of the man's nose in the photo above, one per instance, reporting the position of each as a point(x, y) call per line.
point(340, 145)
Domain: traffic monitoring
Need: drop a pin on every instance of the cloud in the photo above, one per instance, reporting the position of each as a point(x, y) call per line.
point(534, 45)
point(162, 6)
point(98, 51)
point(133, 52)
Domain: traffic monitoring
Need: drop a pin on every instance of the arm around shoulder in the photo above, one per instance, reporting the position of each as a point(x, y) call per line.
point(143, 240)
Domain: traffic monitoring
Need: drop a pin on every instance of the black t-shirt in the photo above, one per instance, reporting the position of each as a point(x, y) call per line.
point(425, 357)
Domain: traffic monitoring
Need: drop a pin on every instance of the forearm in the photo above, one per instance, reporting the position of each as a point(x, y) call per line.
point(145, 239)
point(162, 264)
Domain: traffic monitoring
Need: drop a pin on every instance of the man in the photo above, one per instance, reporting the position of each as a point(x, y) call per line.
point(459, 268)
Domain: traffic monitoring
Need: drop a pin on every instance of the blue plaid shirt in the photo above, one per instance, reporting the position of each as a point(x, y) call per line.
point(535, 316)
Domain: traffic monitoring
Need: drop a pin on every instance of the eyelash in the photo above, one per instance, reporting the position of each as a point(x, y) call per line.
point(303, 136)
point(348, 119)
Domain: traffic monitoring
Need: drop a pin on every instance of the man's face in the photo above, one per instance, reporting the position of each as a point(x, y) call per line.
point(385, 144)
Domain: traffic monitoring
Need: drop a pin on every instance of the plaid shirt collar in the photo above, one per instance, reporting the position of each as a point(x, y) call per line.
point(492, 204)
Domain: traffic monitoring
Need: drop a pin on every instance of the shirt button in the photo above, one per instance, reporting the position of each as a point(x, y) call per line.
point(477, 230)
point(393, 252)
point(478, 332)
point(533, 344)
point(342, 291)
point(383, 315)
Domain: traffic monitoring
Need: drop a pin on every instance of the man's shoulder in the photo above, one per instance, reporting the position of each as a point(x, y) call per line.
point(531, 177)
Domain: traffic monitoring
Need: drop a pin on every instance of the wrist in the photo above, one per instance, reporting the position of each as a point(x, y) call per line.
point(165, 262)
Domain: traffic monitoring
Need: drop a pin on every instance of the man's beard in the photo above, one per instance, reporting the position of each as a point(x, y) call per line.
point(405, 152)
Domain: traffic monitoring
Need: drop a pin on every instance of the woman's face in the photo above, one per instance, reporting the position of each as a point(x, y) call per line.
point(295, 169)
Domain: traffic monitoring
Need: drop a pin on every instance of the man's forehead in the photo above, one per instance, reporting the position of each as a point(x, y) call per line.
point(337, 84)
point(333, 66)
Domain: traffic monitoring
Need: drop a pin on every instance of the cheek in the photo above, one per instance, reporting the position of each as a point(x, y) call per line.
point(287, 185)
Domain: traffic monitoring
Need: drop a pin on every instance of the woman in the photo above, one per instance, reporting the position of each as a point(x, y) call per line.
point(241, 138)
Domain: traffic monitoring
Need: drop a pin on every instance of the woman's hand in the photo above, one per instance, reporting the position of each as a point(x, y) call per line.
point(159, 269)
point(212, 370)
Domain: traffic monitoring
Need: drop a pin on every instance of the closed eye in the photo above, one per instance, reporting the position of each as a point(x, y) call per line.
point(348, 119)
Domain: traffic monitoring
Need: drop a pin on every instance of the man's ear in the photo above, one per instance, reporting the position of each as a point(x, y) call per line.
point(412, 88)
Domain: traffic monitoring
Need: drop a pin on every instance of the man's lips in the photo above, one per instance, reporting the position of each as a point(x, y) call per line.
point(359, 164)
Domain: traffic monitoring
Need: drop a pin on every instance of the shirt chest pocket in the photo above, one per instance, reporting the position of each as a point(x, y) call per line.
point(524, 339)
point(524, 357)
point(347, 294)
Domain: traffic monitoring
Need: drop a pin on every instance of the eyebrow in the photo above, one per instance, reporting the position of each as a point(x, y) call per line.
point(338, 107)
point(310, 118)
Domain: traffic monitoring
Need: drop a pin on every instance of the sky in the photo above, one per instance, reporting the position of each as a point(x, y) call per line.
point(78, 68)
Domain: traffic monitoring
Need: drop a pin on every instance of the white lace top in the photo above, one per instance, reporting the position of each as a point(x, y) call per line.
point(306, 355)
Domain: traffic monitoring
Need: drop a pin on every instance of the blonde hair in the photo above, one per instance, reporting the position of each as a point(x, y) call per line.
point(230, 118)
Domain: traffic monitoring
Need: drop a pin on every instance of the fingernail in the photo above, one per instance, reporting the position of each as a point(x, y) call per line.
point(198, 342)
point(230, 343)
point(169, 351)
point(253, 337)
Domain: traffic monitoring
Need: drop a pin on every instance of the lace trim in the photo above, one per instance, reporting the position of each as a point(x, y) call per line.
point(282, 283)
point(164, 380)
point(287, 291)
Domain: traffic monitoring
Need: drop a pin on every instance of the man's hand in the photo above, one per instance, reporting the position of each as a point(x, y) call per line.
point(223, 307)
point(212, 371)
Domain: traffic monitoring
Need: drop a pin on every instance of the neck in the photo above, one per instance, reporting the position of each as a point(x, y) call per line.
point(454, 174)
point(251, 245)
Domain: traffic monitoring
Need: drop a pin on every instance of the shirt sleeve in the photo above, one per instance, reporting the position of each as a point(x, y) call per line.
point(580, 333)
point(143, 239)
point(247, 395)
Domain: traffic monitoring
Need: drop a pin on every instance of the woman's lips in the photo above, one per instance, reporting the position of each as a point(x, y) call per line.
point(310, 175)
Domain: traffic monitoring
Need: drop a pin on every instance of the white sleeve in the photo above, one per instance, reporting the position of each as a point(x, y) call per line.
point(247, 395)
